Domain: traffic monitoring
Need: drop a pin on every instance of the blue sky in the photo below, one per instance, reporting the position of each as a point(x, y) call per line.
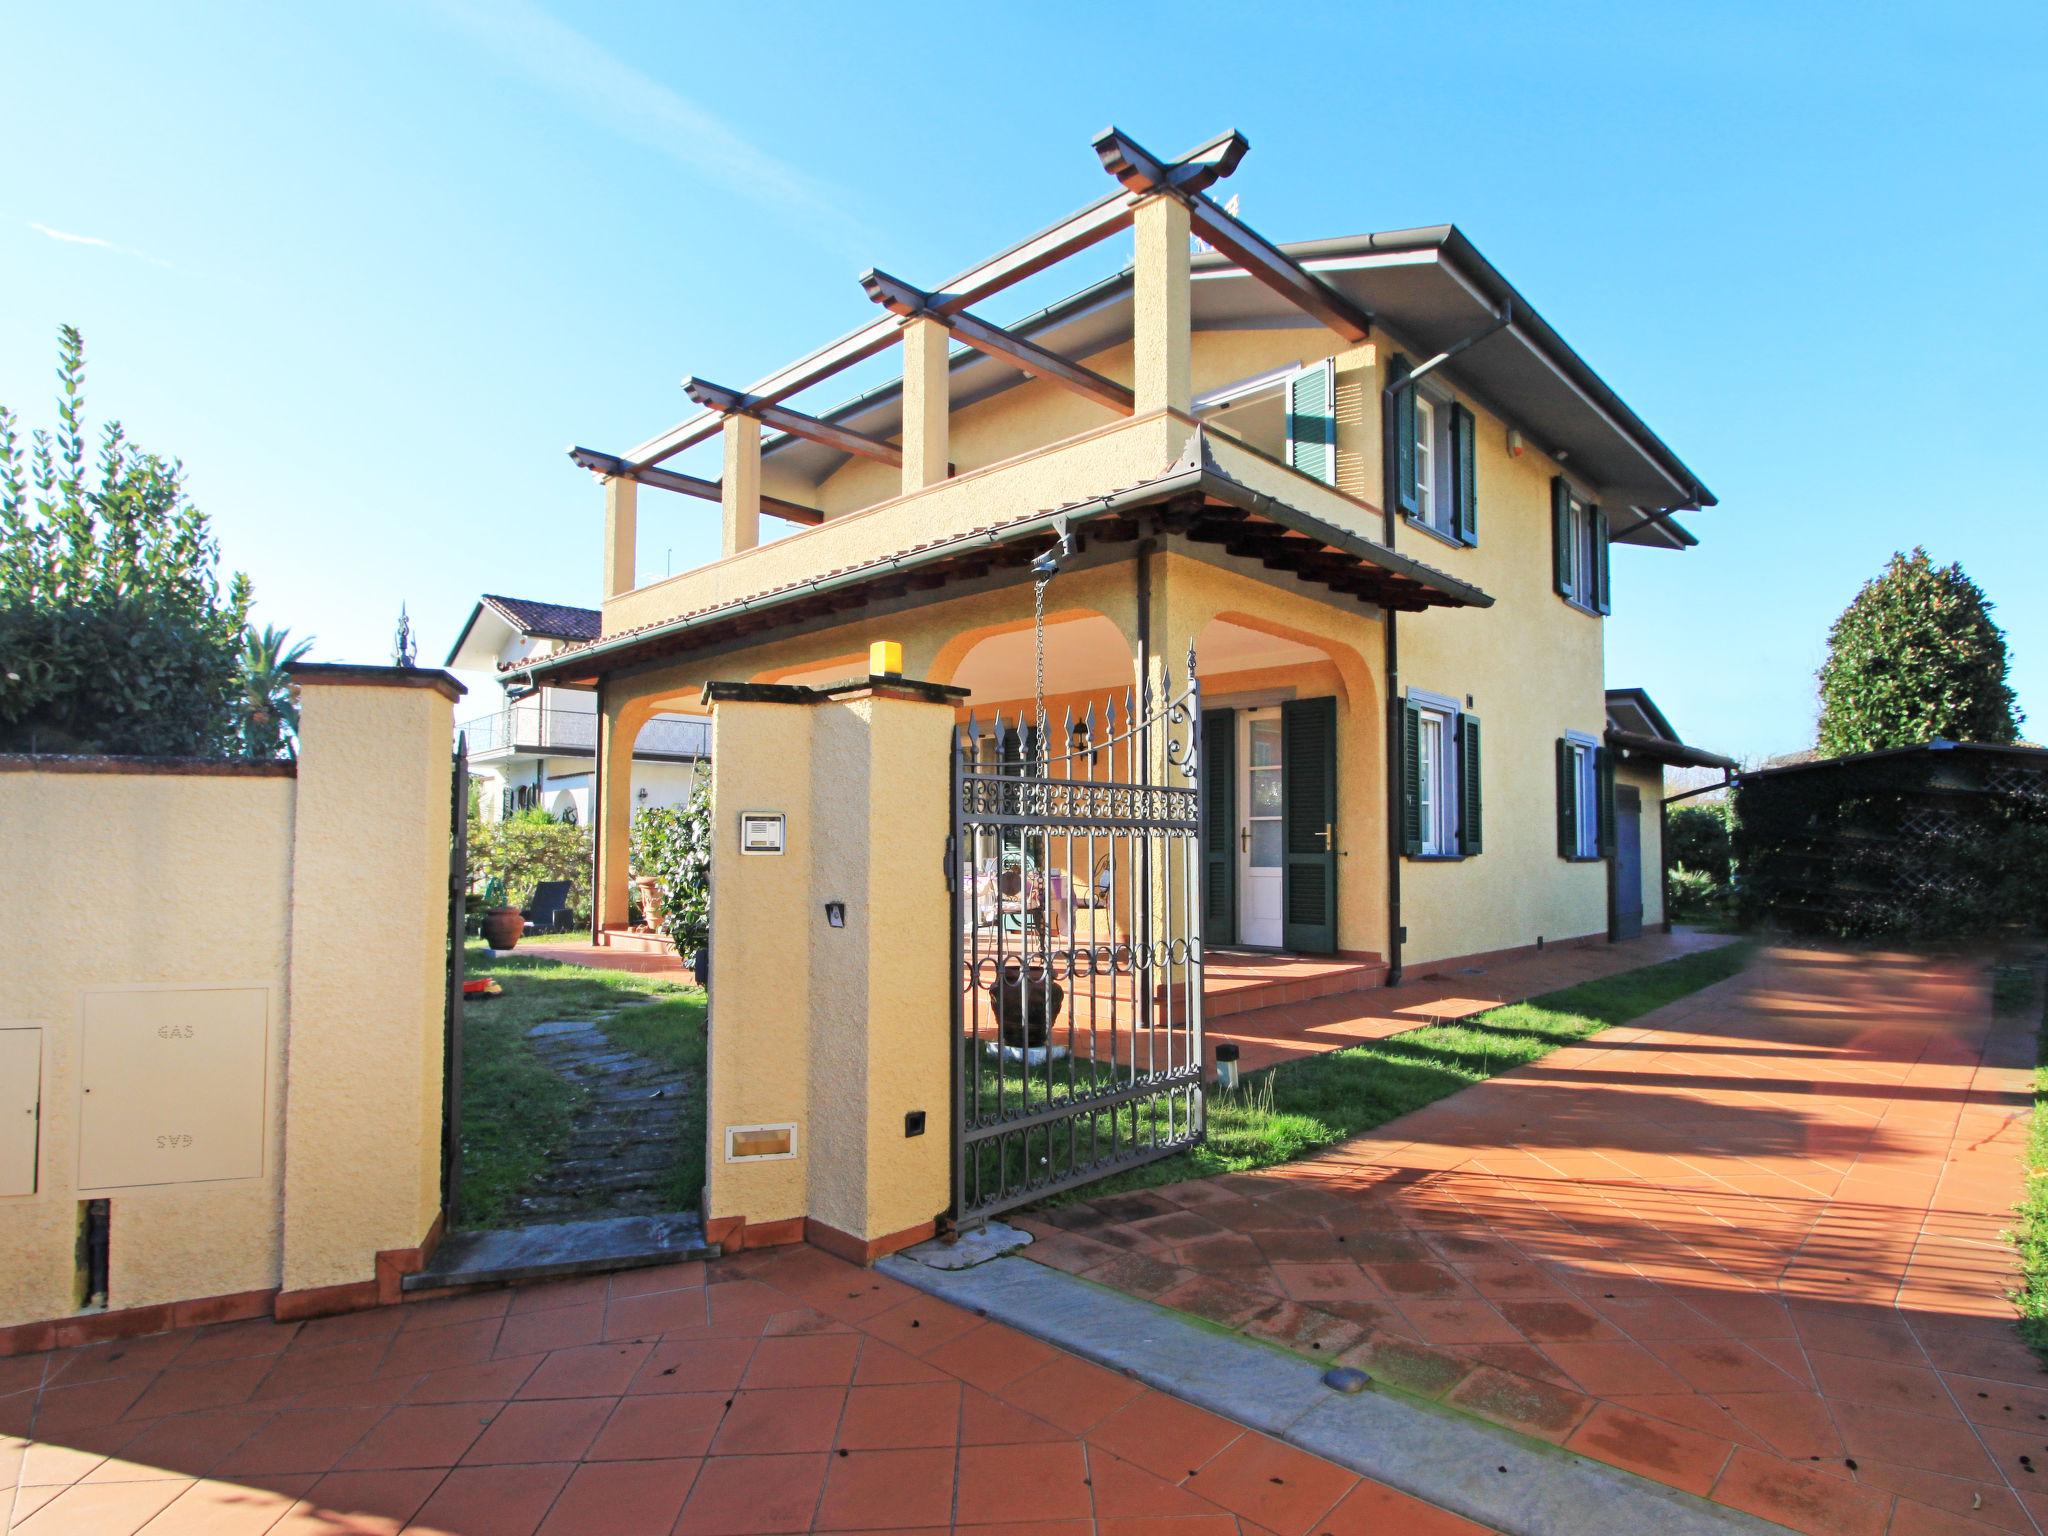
point(369, 268)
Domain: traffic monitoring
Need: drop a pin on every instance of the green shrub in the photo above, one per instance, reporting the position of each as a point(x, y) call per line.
point(672, 844)
point(522, 851)
point(1694, 894)
point(1699, 839)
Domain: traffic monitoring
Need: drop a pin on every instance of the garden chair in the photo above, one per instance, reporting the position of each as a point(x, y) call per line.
point(548, 912)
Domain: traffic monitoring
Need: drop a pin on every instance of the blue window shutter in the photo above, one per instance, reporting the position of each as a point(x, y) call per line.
point(1464, 486)
point(1312, 422)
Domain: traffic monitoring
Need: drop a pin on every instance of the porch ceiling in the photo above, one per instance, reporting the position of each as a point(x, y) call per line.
point(1196, 497)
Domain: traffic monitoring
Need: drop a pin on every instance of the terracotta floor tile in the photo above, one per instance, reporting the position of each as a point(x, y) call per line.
point(1124, 1491)
point(1982, 1504)
point(1452, 1323)
point(901, 1417)
point(989, 1356)
point(1070, 1393)
point(1280, 1488)
point(867, 1489)
point(657, 1277)
point(311, 1440)
point(628, 1498)
point(595, 1370)
point(1534, 1407)
point(1803, 1499)
point(1722, 1366)
point(559, 1429)
point(694, 1365)
point(1880, 1383)
point(809, 1360)
point(1409, 1364)
point(429, 1435)
point(985, 1421)
point(665, 1424)
point(359, 1504)
point(1945, 1445)
point(777, 1420)
point(1005, 1483)
point(490, 1501)
point(192, 1444)
point(654, 1313)
point(1218, 1300)
point(558, 1328)
point(228, 1509)
point(494, 1381)
point(1656, 1448)
point(1403, 1280)
point(1164, 1435)
point(1796, 1425)
point(747, 1495)
point(416, 1351)
point(1373, 1509)
point(1614, 1369)
point(103, 1509)
point(884, 1365)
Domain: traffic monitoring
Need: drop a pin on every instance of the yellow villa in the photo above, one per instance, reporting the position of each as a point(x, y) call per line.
point(1360, 475)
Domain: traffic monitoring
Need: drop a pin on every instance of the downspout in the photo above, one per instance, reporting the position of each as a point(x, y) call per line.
point(1390, 501)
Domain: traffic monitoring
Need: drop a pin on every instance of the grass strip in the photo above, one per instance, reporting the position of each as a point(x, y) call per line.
point(1300, 1107)
point(516, 1111)
point(2017, 988)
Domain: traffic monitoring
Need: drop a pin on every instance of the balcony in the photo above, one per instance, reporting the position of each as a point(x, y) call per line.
point(529, 730)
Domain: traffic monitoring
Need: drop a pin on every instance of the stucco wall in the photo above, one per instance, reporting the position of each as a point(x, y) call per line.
point(326, 890)
point(124, 880)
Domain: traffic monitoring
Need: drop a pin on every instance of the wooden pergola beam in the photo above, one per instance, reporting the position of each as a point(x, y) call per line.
point(687, 485)
point(899, 298)
point(1143, 173)
point(731, 402)
point(1215, 159)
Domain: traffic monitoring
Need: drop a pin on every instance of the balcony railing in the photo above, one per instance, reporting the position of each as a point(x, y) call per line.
point(573, 732)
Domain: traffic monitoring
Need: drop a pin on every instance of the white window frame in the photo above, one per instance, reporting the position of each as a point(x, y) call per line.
point(1437, 788)
point(1586, 792)
point(1428, 500)
point(1584, 554)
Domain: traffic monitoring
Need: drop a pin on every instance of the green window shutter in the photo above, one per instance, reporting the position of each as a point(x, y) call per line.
point(1464, 487)
point(1404, 440)
point(1470, 819)
point(1219, 826)
point(1602, 599)
point(1308, 819)
point(1312, 422)
point(1411, 780)
point(1603, 797)
point(1560, 536)
point(1567, 801)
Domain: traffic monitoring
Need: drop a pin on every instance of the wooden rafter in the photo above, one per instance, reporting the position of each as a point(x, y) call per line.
point(1206, 163)
point(899, 298)
point(731, 402)
point(1141, 172)
point(688, 485)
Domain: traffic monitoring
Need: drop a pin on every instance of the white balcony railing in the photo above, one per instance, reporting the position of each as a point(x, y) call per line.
point(527, 727)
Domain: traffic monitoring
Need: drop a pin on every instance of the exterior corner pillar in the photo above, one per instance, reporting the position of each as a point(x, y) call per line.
point(621, 532)
point(927, 403)
point(1162, 358)
point(612, 813)
point(739, 490)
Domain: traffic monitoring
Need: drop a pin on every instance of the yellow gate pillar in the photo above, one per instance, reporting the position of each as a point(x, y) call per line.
point(829, 1085)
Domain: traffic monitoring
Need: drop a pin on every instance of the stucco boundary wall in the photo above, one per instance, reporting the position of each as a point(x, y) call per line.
point(828, 1039)
point(222, 1013)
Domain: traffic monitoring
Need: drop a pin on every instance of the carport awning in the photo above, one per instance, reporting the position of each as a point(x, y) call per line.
point(1196, 497)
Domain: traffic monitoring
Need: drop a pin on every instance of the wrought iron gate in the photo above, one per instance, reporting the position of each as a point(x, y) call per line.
point(1076, 866)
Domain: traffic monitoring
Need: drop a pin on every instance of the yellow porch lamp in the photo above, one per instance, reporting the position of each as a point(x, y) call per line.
point(885, 659)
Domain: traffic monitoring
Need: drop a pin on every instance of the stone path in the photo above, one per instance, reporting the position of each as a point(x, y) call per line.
point(777, 1391)
point(1748, 1245)
point(623, 1144)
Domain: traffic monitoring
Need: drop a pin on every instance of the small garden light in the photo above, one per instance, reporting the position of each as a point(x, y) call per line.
point(1226, 1066)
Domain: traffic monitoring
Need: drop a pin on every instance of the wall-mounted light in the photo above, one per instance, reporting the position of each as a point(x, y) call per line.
point(1516, 445)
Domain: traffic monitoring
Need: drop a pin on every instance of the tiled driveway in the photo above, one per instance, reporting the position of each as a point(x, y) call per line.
point(778, 1392)
point(1748, 1245)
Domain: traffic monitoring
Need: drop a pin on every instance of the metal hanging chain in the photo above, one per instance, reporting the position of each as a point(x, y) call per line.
point(1038, 647)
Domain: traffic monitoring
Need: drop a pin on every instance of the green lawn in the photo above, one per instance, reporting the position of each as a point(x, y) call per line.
point(1300, 1107)
point(514, 1109)
point(2014, 988)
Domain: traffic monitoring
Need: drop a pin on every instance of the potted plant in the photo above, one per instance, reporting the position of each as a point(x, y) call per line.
point(649, 887)
point(503, 923)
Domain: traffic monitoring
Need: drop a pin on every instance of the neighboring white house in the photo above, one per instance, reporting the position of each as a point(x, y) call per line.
point(538, 750)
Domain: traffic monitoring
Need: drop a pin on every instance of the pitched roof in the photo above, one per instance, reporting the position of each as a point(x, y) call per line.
point(548, 621)
point(1636, 726)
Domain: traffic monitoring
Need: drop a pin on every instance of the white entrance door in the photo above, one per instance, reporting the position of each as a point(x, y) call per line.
point(1258, 839)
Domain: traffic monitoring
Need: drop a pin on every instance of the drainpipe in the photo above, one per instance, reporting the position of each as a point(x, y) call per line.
point(1390, 501)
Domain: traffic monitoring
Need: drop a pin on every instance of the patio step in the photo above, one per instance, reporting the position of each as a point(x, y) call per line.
point(1237, 982)
point(636, 943)
point(563, 1248)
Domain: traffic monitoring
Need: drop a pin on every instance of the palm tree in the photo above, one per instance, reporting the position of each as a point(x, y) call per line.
point(270, 715)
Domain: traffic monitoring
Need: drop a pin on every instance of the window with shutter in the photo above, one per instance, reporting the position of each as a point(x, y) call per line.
point(1464, 486)
point(1579, 559)
point(1584, 796)
point(1433, 792)
point(1411, 779)
point(1563, 547)
point(1404, 438)
point(1312, 421)
point(1470, 817)
point(1567, 800)
point(1600, 597)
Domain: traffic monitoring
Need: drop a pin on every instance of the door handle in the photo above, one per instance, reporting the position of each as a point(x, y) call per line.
point(1244, 839)
point(1326, 837)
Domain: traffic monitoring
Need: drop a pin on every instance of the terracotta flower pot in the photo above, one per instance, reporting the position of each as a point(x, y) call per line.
point(503, 926)
point(650, 899)
point(1026, 1006)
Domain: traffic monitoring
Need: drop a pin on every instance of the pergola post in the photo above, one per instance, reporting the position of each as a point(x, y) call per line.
point(618, 725)
point(621, 529)
point(927, 403)
point(740, 488)
point(1162, 365)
